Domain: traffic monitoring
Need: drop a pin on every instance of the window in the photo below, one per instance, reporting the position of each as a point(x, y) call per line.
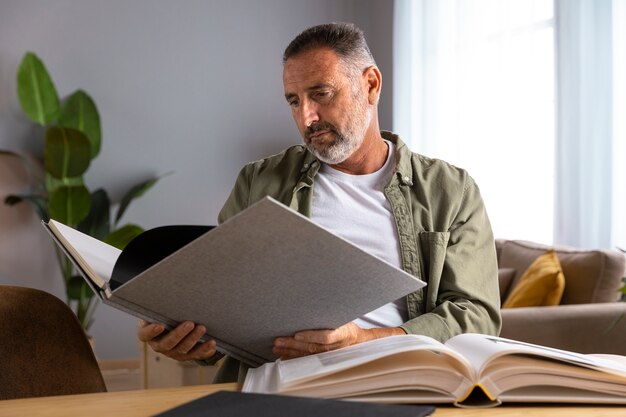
point(529, 97)
point(482, 97)
point(618, 236)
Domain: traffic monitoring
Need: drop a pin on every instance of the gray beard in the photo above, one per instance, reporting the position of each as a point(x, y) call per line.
point(344, 145)
point(338, 152)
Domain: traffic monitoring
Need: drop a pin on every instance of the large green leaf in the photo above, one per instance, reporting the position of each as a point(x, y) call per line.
point(38, 97)
point(135, 192)
point(122, 236)
point(67, 152)
point(98, 221)
point(80, 112)
point(69, 205)
point(54, 183)
point(40, 205)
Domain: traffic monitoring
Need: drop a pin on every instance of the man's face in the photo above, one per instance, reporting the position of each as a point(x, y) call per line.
point(331, 110)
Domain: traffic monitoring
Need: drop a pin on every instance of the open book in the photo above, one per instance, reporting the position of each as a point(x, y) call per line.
point(468, 370)
point(264, 273)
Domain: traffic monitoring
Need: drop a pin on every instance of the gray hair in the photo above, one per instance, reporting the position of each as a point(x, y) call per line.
point(345, 39)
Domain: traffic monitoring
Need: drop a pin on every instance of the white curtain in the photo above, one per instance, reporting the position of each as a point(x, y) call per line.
point(474, 85)
point(586, 134)
point(528, 96)
point(619, 124)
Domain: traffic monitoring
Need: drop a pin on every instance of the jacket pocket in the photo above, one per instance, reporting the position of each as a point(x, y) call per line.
point(432, 252)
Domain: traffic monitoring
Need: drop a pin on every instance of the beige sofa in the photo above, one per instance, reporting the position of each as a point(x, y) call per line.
point(590, 318)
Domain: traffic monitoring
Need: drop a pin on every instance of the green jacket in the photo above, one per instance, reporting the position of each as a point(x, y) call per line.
point(445, 236)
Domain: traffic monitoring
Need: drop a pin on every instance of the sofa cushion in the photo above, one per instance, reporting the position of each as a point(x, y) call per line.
point(542, 284)
point(591, 276)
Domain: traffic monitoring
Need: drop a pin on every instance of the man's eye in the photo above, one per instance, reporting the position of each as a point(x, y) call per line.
point(323, 97)
point(293, 103)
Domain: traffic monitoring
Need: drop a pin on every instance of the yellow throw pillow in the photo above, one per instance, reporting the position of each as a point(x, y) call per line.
point(541, 285)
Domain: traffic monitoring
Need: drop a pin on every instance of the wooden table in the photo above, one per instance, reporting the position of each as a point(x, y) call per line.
point(146, 403)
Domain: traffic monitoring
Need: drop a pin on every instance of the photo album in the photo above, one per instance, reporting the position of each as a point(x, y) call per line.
point(266, 272)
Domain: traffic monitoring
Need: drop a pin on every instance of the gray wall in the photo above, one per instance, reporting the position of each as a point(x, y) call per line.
point(191, 87)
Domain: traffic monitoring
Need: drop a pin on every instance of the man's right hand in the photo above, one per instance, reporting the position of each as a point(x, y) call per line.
point(180, 344)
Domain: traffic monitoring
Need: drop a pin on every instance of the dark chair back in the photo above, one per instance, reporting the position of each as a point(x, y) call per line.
point(43, 349)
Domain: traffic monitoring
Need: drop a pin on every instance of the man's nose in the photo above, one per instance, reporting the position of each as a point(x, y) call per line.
point(309, 113)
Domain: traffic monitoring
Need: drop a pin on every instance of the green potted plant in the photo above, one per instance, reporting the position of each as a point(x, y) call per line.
point(72, 140)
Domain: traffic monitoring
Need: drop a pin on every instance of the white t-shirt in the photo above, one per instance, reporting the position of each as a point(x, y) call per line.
point(355, 208)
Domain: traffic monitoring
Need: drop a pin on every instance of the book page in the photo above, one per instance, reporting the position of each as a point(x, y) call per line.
point(611, 357)
point(506, 366)
point(424, 372)
point(95, 257)
point(558, 394)
point(286, 375)
point(479, 350)
point(511, 372)
point(309, 367)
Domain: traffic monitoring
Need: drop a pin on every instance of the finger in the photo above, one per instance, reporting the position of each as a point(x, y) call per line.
point(306, 348)
point(200, 352)
point(327, 336)
point(173, 338)
point(203, 350)
point(345, 335)
point(191, 340)
point(318, 336)
point(149, 331)
point(285, 353)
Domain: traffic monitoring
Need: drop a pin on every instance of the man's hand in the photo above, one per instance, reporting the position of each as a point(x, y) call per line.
point(180, 344)
point(316, 341)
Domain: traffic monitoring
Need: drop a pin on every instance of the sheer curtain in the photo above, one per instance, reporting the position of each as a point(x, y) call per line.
point(511, 91)
point(585, 72)
point(619, 124)
point(474, 85)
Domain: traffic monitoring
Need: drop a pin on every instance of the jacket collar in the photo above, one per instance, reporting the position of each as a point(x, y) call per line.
point(404, 171)
point(310, 163)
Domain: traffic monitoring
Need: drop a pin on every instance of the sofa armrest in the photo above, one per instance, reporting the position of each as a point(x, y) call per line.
point(584, 328)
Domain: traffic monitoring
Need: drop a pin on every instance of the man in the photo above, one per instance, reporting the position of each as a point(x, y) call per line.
point(420, 214)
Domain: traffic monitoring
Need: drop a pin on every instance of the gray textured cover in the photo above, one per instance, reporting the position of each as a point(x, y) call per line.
point(266, 272)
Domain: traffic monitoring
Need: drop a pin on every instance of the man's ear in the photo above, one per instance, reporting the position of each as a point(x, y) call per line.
point(374, 80)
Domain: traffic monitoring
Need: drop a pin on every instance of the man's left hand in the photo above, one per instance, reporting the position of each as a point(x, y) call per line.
point(316, 341)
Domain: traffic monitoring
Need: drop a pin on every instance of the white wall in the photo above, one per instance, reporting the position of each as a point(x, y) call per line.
point(192, 87)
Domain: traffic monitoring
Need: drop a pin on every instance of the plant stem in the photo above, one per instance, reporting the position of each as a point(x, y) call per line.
point(66, 269)
point(84, 302)
point(60, 259)
point(91, 309)
point(82, 308)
